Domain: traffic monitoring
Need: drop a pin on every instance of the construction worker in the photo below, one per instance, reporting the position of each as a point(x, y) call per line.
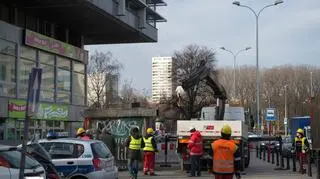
point(226, 156)
point(195, 145)
point(134, 143)
point(301, 147)
point(81, 134)
point(149, 152)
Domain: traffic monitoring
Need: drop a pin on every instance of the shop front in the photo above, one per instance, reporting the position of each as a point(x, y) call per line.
point(50, 117)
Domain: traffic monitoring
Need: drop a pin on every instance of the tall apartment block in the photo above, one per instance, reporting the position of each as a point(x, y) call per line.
point(161, 78)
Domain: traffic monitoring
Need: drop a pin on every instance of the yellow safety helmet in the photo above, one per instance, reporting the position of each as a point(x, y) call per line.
point(226, 129)
point(80, 131)
point(300, 131)
point(150, 131)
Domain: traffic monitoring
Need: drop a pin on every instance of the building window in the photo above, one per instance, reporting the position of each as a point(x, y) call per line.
point(28, 53)
point(63, 80)
point(63, 85)
point(47, 85)
point(78, 86)
point(25, 68)
point(7, 69)
point(78, 67)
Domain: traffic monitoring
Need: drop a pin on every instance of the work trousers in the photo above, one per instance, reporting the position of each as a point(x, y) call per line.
point(302, 160)
point(195, 165)
point(224, 176)
point(149, 162)
point(133, 167)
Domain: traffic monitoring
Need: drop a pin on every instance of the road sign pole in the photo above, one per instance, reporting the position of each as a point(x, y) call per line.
point(33, 98)
point(24, 138)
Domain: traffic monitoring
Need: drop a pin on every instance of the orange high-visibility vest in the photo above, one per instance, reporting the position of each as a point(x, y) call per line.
point(223, 156)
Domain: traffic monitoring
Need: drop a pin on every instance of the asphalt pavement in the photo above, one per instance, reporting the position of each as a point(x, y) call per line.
point(258, 170)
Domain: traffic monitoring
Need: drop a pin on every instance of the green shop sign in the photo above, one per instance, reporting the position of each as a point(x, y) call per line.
point(55, 46)
point(17, 108)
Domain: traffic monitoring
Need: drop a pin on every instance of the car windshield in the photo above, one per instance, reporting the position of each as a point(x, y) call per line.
point(13, 157)
point(100, 150)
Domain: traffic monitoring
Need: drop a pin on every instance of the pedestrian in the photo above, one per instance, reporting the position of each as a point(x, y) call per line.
point(149, 152)
point(301, 147)
point(134, 143)
point(109, 140)
point(81, 134)
point(226, 156)
point(195, 145)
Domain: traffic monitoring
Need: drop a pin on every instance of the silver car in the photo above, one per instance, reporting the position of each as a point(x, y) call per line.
point(10, 164)
point(81, 159)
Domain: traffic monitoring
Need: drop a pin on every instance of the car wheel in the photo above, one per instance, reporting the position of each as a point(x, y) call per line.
point(79, 177)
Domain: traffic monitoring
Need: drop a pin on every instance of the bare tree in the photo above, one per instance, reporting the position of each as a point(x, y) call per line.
point(130, 95)
point(185, 63)
point(102, 68)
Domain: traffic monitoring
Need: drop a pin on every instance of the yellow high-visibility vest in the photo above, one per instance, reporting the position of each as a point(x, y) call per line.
point(148, 144)
point(135, 144)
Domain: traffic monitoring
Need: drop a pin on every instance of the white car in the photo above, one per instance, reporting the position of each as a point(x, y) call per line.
point(10, 164)
point(81, 159)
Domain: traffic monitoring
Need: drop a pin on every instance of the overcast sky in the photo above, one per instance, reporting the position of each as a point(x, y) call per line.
point(289, 34)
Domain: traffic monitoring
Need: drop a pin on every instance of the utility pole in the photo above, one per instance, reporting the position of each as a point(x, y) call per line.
point(285, 111)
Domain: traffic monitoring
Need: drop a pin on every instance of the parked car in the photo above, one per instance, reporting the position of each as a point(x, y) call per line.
point(42, 156)
point(81, 159)
point(10, 164)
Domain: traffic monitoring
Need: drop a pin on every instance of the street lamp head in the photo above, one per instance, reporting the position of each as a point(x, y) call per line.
point(278, 2)
point(222, 48)
point(248, 48)
point(237, 3)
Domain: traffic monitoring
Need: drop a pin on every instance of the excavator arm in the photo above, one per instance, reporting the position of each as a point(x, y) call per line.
point(205, 74)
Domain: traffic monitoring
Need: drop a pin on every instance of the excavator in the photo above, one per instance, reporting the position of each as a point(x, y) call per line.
point(210, 129)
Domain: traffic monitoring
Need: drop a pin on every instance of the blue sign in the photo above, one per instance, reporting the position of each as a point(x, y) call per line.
point(270, 114)
point(34, 91)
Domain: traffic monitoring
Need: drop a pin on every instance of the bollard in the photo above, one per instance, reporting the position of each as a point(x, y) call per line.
point(257, 151)
point(288, 163)
point(309, 164)
point(277, 157)
point(272, 155)
point(294, 157)
point(264, 154)
point(268, 150)
point(260, 152)
point(318, 164)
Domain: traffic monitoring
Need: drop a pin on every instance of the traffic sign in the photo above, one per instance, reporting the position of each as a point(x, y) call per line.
point(270, 114)
point(34, 91)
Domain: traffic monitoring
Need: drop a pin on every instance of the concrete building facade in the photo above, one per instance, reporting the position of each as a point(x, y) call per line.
point(161, 78)
point(51, 35)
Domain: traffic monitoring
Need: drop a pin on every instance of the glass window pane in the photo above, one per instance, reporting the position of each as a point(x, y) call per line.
point(78, 88)
point(8, 90)
point(47, 84)
point(7, 47)
point(78, 67)
point(63, 97)
point(7, 68)
point(29, 53)
point(46, 58)
point(63, 80)
point(63, 63)
point(25, 68)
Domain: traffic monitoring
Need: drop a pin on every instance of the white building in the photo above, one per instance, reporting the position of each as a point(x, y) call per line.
point(161, 78)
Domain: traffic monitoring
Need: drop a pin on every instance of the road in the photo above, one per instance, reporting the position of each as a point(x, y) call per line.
point(258, 170)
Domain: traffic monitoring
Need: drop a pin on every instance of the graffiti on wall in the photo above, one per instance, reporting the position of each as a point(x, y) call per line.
point(121, 128)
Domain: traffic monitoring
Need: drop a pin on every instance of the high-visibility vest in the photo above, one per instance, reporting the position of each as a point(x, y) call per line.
point(299, 142)
point(148, 144)
point(135, 144)
point(223, 156)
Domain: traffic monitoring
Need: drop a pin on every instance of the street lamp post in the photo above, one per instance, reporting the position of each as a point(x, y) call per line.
point(234, 65)
point(285, 111)
point(277, 2)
